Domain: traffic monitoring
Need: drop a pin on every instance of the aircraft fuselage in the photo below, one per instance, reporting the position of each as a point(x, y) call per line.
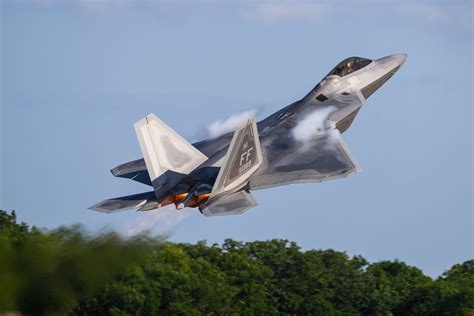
point(367, 80)
point(300, 143)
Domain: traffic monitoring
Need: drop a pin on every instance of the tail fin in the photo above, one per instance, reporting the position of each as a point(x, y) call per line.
point(163, 149)
point(242, 159)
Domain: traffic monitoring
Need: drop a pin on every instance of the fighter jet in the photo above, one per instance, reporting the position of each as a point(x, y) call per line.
point(300, 143)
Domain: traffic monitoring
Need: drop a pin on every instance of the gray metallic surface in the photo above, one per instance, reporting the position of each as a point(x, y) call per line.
point(124, 203)
point(242, 159)
point(286, 160)
point(244, 155)
point(229, 204)
point(324, 157)
point(134, 170)
point(368, 90)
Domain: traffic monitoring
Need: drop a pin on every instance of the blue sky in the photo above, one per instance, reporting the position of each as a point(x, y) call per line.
point(76, 75)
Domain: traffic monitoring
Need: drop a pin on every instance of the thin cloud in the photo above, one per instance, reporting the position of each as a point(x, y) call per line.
point(229, 124)
point(275, 12)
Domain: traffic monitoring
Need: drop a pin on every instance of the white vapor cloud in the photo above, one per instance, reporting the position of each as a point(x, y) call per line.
point(160, 221)
point(312, 124)
point(274, 12)
point(229, 124)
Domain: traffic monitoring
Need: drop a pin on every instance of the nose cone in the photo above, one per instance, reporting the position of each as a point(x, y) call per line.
point(387, 67)
point(392, 61)
point(399, 58)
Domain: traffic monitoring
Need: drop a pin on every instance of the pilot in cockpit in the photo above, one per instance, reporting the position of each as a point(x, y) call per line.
point(348, 69)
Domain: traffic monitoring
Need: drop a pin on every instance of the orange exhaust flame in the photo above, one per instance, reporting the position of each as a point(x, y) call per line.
point(168, 200)
point(179, 197)
point(202, 199)
point(194, 201)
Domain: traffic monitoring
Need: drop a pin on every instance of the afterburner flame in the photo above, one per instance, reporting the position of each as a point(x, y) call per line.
point(179, 197)
point(202, 199)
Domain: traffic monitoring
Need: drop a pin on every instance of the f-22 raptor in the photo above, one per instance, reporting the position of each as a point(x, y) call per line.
point(300, 143)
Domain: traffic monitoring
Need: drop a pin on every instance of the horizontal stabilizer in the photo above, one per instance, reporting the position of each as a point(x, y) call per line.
point(163, 149)
point(124, 203)
point(229, 204)
point(134, 170)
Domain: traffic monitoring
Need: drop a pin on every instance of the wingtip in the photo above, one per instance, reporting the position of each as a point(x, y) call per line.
point(115, 171)
point(95, 208)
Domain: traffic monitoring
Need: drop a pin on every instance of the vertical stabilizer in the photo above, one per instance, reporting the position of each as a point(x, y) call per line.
point(242, 159)
point(163, 149)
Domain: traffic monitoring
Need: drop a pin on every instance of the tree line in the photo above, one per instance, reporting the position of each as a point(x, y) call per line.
point(68, 271)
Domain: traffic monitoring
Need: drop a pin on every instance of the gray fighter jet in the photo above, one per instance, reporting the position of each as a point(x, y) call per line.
point(298, 144)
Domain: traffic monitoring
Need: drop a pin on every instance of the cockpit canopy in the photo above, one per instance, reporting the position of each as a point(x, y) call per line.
point(349, 65)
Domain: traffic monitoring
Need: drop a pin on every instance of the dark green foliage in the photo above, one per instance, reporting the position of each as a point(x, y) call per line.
point(276, 277)
point(450, 294)
point(49, 272)
point(67, 271)
point(10, 229)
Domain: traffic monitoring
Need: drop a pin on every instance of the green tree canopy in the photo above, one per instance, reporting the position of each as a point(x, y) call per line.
point(67, 271)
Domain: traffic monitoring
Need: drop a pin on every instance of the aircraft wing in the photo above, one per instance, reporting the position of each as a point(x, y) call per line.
point(288, 161)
